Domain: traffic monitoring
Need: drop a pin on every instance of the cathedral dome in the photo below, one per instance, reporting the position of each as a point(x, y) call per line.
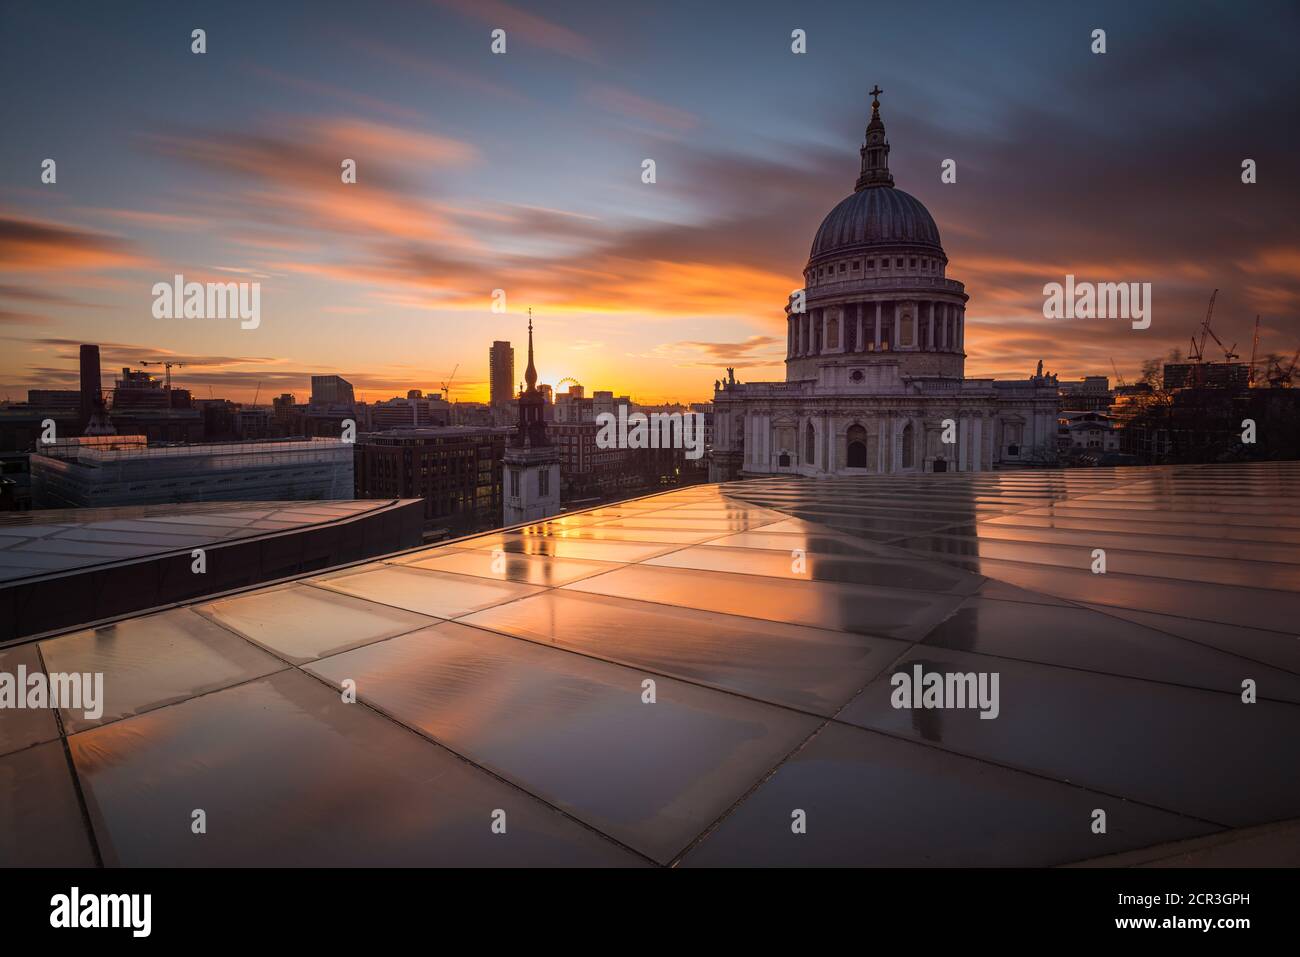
point(876, 216)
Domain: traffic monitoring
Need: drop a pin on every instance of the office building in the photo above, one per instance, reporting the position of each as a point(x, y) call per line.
point(501, 372)
point(331, 390)
point(455, 469)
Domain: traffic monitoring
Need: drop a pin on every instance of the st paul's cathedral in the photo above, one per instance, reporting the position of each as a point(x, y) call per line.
point(875, 358)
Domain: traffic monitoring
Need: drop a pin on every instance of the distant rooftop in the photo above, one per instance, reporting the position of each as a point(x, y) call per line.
point(508, 672)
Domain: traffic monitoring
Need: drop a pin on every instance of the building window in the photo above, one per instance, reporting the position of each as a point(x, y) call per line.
point(871, 264)
point(544, 483)
point(900, 262)
point(856, 265)
point(514, 483)
point(884, 264)
point(913, 262)
point(810, 446)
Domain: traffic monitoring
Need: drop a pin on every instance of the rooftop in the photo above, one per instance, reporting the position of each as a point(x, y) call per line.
point(47, 541)
point(507, 672)
point(61, 568)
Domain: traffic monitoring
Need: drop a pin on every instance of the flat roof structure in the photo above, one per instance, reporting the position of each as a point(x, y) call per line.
point(710, 677)
point(120, 470)
point(64, 567)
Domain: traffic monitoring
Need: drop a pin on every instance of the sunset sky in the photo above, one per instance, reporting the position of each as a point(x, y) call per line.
point(523, 172)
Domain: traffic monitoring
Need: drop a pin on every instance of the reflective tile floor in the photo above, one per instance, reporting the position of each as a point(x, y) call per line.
point(707, 677)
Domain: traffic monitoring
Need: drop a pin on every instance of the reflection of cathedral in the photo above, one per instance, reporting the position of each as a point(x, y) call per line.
point(875, 358)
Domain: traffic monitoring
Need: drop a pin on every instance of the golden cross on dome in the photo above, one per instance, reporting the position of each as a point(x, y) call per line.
point(875, 93)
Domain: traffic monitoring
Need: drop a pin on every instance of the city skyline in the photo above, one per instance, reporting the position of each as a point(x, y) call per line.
point(522, 172)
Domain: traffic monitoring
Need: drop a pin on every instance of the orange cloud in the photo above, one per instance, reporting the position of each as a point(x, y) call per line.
point(31, 244)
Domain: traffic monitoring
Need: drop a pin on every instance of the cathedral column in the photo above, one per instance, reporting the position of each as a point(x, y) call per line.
point(916, 328)
point(961, 330)
point(821, 319)
point(930, 331)
point(859, 345)
point(898, 325)
point(877, 325)
point(828, 445)
point(789, 337)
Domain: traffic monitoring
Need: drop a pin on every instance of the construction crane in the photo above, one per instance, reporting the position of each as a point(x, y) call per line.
point(1198, 349)
point(1118, 378)
point(1228, 354)
point(446, 386)
point(1279, 378)
point(256, 394)
point(164, 362)
point(1254, 348)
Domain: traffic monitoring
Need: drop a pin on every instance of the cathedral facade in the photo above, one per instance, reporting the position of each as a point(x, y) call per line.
point(875, 358)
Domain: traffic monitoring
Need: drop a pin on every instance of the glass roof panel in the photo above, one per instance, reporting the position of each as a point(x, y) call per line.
point(152, 661)
point(289, 775)
point(301, 623)
point(576, 731)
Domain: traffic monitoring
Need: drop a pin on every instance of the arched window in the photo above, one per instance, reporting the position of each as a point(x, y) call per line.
point(857, 447)
point(909, 447)
point(810, 446)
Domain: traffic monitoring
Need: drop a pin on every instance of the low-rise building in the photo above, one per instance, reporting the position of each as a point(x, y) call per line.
point(1088, 431)
point(455, 469)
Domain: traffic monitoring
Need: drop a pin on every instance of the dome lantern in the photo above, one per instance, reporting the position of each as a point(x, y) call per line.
point(875, 150)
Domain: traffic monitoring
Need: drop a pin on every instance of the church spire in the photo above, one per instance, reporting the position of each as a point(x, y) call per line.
point(530, 375)
point(875, 150)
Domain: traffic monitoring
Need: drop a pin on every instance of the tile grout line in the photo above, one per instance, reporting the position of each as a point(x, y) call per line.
point(84, 806)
